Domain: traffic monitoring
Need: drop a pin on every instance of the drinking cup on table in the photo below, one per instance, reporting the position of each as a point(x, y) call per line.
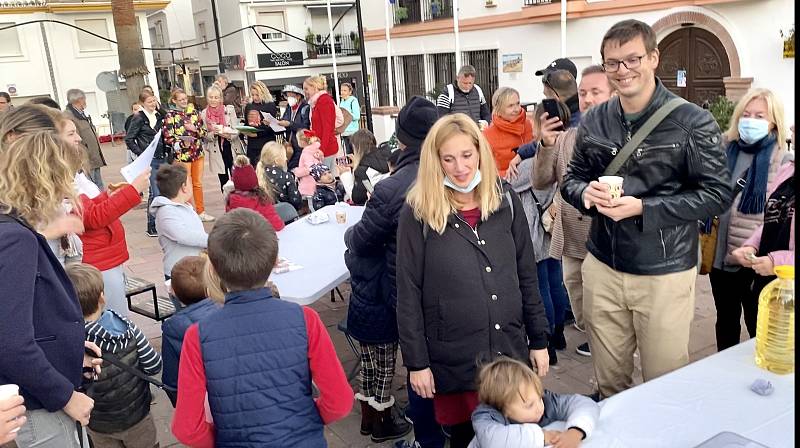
point(8, 391)
point(614, 185)
point(341, 216)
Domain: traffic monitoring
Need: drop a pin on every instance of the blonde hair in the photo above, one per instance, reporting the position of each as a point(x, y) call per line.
point(272, 153)
point(214, 88)
point(241, 160)
point(214, 287)
point(175, 92)
point(431, 201)
point(775, 114)
point(503, 380)
point(262, 90)
point(319, 82)
point(37, 171)
point(501, 97)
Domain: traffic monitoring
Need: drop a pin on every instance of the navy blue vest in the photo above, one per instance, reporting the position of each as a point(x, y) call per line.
point(255, 352)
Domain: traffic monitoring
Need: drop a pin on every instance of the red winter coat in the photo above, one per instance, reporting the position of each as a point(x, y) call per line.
point(104, 245)
point(323, 121)
point(238, 199)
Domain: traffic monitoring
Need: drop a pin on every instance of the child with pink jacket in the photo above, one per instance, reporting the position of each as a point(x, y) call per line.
point(311, 155)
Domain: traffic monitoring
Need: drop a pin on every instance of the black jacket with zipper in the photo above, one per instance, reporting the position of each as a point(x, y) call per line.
point(464, 297)
point(378, 160)
point(679, 172)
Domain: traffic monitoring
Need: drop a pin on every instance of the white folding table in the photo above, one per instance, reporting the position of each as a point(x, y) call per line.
point(319, 249)
point(692, 404)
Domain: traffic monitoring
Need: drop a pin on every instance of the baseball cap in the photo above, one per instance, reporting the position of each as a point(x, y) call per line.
point(559, 64)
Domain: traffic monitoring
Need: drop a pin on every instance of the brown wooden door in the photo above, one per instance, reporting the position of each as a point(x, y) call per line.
point(703, 57)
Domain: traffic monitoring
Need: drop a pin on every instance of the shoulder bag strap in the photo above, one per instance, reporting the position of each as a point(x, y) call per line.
point(641, 134)
point(113, 359)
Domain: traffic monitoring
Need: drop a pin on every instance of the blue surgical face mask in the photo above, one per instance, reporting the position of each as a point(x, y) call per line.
point(752, 130)
point(476, 179)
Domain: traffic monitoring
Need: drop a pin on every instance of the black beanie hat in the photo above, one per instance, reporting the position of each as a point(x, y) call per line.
point(415, 120)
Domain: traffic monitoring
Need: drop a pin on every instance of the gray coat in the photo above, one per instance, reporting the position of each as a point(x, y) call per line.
point(528, 195)
point(180, 231)
point(94, 157)
point(493, 430)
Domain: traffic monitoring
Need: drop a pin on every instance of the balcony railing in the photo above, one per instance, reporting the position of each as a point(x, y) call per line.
point(343, 45)
point(540, 2)
point(416, 11)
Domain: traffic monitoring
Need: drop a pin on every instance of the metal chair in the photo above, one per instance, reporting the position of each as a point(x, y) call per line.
point(287, 212)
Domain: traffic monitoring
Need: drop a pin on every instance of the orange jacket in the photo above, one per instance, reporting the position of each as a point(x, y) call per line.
point(504, 136)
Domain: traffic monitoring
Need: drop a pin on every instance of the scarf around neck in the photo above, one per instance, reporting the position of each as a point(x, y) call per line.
point(754, 194)
point(216, 115)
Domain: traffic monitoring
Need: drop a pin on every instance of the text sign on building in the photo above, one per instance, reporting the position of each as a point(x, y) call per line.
point(287, 59)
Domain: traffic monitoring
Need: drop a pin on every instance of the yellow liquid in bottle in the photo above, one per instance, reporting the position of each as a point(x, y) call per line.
point(775, 328)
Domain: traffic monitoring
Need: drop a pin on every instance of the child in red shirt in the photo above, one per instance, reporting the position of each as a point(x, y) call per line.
point(254, 360)
point(248, 194)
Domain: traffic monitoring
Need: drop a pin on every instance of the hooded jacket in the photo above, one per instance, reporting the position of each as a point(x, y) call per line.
point(180, 231)
point(306, 183)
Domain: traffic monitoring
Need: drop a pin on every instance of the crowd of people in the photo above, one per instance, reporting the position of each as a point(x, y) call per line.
point(481, 232)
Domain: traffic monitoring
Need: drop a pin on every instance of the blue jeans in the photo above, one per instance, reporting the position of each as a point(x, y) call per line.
point(50, 430)
point(552, 290)
point(151, 220)
point(427, 432)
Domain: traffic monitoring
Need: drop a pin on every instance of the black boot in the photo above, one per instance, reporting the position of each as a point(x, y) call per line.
point(388, 425)
point(558, 341)
point(367, 418)
point(461, 435)
point(551, 352)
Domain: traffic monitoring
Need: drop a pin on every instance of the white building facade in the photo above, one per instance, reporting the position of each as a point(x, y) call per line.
point(724, 47)
point(291, 44)
point(48, 59)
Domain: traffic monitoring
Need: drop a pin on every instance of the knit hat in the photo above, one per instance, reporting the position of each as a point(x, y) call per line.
point(415, 120)
point(559, 64)
point(317, 170)
point(244, 178)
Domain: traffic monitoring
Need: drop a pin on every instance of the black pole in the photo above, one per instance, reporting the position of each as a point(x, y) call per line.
point(364, 77)
point(216, 34)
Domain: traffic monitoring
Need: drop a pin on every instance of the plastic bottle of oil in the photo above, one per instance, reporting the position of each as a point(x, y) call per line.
point(775, 330)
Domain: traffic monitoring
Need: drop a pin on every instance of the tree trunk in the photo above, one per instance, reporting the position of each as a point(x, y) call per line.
point(132, 65)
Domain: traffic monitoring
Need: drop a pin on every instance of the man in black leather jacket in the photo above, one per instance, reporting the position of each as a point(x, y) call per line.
point(640, 272)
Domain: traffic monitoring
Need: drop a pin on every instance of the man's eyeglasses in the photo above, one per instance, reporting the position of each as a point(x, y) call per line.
point(612, 65)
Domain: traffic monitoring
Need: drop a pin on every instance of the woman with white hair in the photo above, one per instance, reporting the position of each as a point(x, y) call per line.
point(219, 142)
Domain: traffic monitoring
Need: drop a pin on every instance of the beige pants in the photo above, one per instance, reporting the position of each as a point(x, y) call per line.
point(140, 435)
point(573, 281)
point(625, 311)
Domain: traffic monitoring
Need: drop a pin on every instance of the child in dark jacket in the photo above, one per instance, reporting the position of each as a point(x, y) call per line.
point(515, 408)
point(248, 194)
point(189, 287)
point(329, 190)
point(121, 411)
point(274, 348)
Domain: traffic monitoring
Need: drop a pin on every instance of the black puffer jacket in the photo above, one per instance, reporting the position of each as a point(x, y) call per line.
point(371, 253)
point(463, 299)
point(378, 160)
point(140, 134)
point(679, 172)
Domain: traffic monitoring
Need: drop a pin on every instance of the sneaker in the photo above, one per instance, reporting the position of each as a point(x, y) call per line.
point(406, 444)
point(583, 349)
point(579, 328)
point(152, 233)
point(205, 217)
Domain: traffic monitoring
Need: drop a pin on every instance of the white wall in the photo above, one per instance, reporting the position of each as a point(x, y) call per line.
point(761, 57)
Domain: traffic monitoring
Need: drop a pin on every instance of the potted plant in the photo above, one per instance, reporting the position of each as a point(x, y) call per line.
point(319, 38)
point(337, 38)
point(400, 13)
point(788, 43)
point(312, 48)
point(722, 110)
point(356, 43)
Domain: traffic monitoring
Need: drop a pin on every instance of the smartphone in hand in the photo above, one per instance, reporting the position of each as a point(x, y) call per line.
point(551, 107)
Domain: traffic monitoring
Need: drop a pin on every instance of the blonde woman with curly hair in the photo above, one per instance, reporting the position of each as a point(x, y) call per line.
point(37, 169)
point(262, 102)
point(323, 116)
point(467, 288)
point(273, 176)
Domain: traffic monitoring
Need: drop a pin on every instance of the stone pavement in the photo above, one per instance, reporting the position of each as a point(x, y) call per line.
point(572, 374)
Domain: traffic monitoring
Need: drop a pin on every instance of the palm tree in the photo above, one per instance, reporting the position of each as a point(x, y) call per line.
point(132, 65)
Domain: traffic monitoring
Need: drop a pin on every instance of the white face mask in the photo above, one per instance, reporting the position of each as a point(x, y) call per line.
point(292, 101)
point(468, 189)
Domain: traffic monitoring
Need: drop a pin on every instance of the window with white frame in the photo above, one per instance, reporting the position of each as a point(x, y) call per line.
point(9, 41)
point(275, 21)
point(88, 42)
point(201, 33)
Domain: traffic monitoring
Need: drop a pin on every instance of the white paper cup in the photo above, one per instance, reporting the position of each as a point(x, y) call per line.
point(614, 185)
point(8, 390)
